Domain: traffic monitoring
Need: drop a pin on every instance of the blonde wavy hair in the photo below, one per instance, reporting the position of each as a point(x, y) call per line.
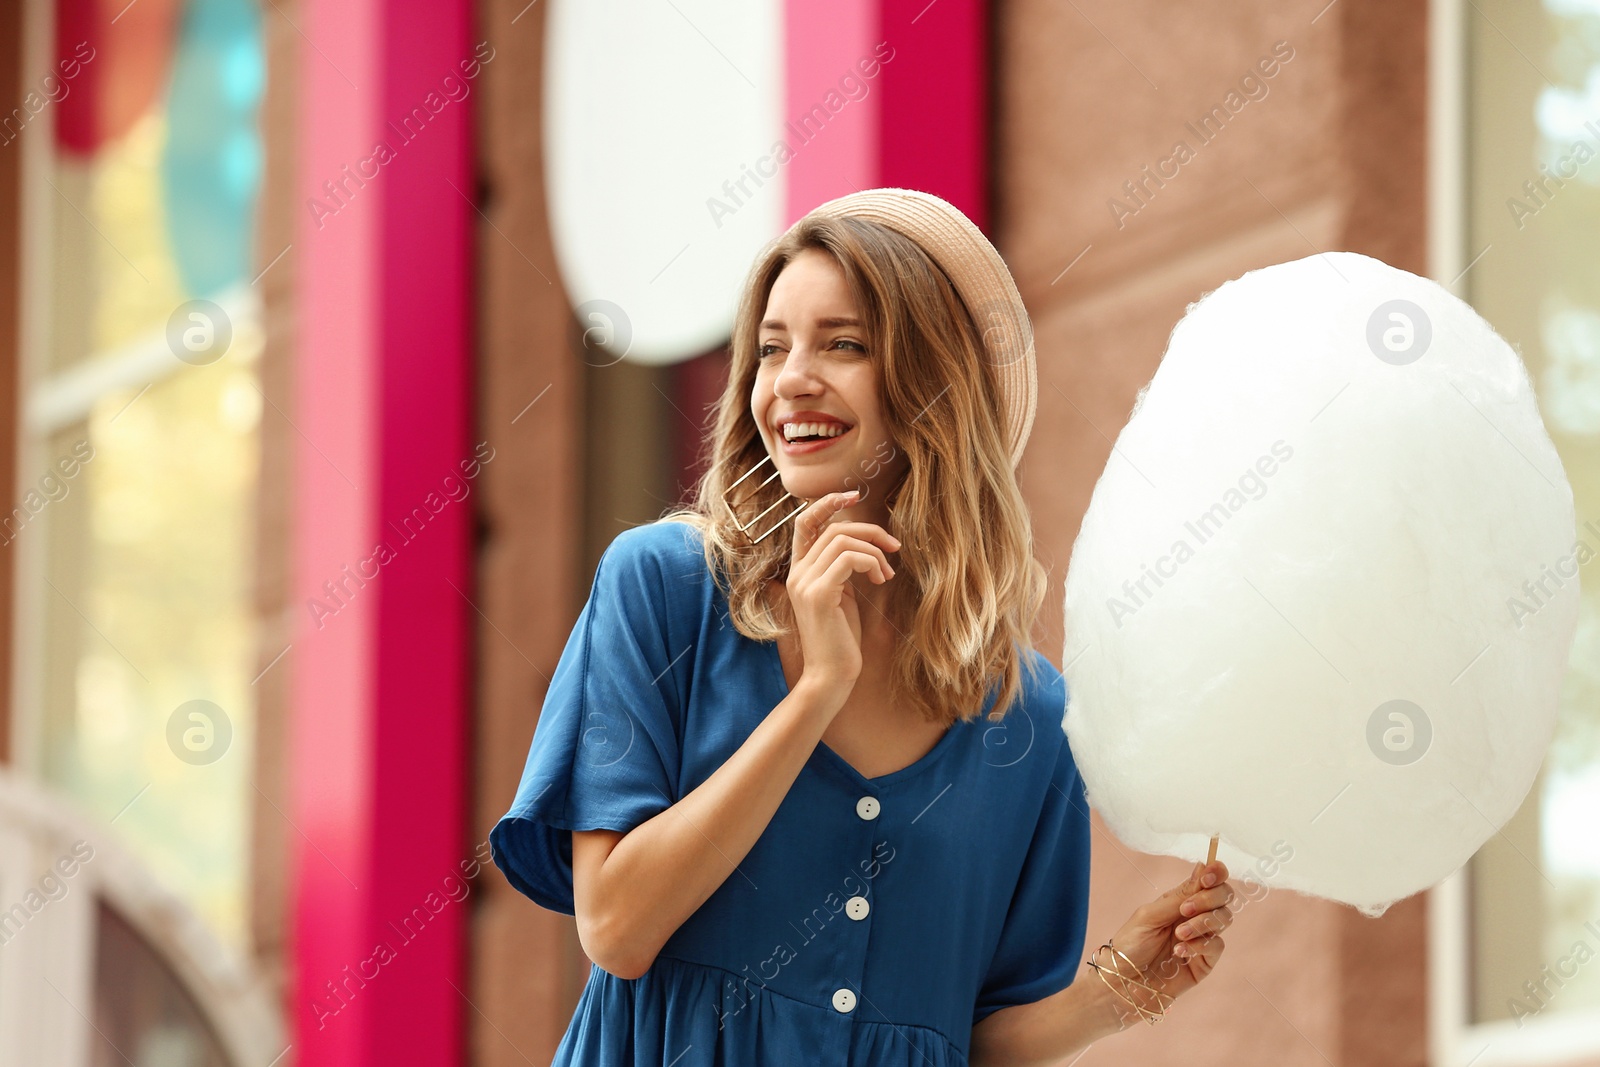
point(967, 588)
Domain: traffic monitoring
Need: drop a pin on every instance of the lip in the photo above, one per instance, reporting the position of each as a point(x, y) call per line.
point(798, 448)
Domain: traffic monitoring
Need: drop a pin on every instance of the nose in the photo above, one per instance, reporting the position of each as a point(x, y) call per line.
point(799, 376)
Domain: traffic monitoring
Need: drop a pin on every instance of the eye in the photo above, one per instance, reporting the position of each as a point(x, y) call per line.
point(762, 351)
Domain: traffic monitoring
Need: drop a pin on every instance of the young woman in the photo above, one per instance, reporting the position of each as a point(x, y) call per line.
point(806, 789)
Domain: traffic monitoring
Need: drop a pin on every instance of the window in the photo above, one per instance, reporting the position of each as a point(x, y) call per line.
point(133, 531)
point(1519, 113)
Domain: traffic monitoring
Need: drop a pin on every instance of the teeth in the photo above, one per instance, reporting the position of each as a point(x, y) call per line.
point(792, 430)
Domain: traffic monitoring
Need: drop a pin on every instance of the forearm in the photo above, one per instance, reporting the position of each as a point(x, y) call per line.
point(1049, 1031)
point(669, 865)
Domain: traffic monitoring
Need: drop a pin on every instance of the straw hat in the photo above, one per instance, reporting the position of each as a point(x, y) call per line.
point(980, 278)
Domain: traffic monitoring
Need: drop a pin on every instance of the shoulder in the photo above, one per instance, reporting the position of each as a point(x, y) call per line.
point(662, 538)
point(662, 561)
point(1044, 691)
point(1045, 685)
point(1045, 696)
point(664, 548)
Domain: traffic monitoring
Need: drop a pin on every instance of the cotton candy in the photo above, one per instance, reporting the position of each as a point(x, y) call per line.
point(1323, 596)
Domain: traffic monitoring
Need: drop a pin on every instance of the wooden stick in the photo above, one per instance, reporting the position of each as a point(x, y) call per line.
point(1210, 858)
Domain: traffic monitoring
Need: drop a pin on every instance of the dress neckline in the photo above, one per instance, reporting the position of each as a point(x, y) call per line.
point(933, 755)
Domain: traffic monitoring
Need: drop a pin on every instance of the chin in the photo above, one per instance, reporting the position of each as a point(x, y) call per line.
point(814, 478)
point(811, 485)
point(805, 488)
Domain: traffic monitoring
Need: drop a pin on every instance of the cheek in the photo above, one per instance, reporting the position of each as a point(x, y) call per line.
point(878, 443)
point(761, 404)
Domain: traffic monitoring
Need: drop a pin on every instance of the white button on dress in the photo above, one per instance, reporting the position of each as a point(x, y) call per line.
point(844, 1000)
point(867, 807)
point(857, 907)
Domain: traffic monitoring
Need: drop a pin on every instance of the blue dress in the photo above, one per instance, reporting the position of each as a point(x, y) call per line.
point(875, 920)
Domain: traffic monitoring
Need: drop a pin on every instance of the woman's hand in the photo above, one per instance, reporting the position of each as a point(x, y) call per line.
point(1175, 939)
point(823, 558)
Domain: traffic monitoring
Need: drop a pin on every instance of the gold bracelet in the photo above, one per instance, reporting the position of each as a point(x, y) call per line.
point(1127, 981)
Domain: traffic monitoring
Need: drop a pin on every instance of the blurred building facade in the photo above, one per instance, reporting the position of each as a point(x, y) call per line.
point(336, 351)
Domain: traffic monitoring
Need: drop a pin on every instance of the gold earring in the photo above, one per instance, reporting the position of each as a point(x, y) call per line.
point(744, 527)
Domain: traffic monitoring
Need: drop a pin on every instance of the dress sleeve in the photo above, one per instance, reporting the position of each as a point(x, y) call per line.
point(605, 751)
point(1041, 945)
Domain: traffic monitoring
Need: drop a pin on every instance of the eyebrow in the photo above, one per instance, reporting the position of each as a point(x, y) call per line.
point(826, 324)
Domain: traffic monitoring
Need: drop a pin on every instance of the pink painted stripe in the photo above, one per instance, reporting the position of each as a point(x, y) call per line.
point(830, 103)
point(935, 103)
point(382, 398)
point(886, 93)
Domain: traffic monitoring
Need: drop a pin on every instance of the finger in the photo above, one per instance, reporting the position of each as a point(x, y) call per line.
point(809, 523)
point(1164, 910)
point(845, 543)
point(1201, 956)
point(865, 531)
point(1206, 899)
point(838, 572)
point(1211, 922)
